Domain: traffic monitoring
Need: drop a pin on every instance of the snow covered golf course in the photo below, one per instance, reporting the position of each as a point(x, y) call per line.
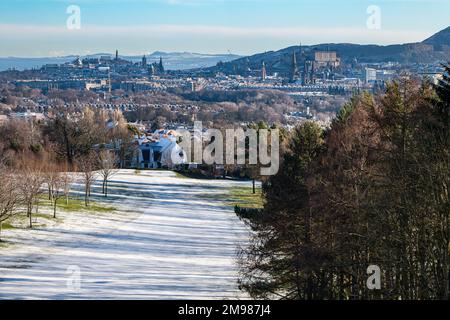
point(168, 237)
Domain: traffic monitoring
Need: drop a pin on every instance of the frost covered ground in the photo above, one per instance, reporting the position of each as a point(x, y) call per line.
point(170, 238)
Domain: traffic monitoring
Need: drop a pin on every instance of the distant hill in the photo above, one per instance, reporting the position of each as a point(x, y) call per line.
point(441, 38)
point(434, 49)
point(30, 63)
point(172, 60)
point(186, 60)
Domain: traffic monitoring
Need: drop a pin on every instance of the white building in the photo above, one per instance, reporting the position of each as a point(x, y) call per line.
point(156, 150)
point(370, 75)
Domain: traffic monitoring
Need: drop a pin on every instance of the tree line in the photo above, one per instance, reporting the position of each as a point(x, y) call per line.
point(38, 158)
point(373, 190)
point(25, 184)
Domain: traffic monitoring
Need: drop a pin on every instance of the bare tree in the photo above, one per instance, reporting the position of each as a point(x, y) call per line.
point(50, 175)
point(108, 168)
point(87, 166)
point(50, 169)
point(67, 179)
point(10, 200)
point(58, 190)
point(31, 179)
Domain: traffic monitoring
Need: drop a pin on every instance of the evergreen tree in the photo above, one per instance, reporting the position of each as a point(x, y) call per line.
point(372, 190)
point(273, 266)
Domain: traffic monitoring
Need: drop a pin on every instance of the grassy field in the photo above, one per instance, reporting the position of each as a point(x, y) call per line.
point(74, 204)
point(245, 198)
point(45, 212)
point(7, 226)
point(79, 205)
point(163, 241)
point(239, 196)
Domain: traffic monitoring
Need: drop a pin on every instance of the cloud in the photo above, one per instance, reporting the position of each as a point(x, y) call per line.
point(362, 35)
point(39, 40)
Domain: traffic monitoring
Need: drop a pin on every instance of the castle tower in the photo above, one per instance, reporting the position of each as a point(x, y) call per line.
point(152, 69)
point(263, 72)
point(308, 73)
point(294, 67)
point(78, 62)
point(109, 81)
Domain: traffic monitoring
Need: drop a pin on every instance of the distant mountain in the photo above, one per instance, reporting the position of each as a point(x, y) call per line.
point(30, 63)
point(440, 38)
point(434, 49)
point(172, 60)
point(186, 60)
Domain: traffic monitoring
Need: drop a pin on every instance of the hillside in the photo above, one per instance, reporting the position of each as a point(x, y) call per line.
point(441, 38)
point(434, 49)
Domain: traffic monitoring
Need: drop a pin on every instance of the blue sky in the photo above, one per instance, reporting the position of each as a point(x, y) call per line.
point(38, 27)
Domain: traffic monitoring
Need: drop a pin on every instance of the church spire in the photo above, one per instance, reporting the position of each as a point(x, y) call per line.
point(264, 71)
point(294, 66)
point(161, 66)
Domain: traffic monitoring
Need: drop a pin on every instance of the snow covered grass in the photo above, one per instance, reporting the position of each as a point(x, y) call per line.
point(157, 236)
point(44, 215)
point(242, 196)
point(79, 205)
point(7, 226)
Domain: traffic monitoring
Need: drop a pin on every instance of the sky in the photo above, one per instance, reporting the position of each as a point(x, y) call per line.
point(40, 28)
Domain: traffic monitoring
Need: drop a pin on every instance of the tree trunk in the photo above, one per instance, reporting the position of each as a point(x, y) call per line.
point(86, 201)
point(54, 208)
point(1, 227)
point(106, 188)
point(254, 186)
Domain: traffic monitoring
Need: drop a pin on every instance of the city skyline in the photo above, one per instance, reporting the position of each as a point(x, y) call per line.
point(244, 27)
